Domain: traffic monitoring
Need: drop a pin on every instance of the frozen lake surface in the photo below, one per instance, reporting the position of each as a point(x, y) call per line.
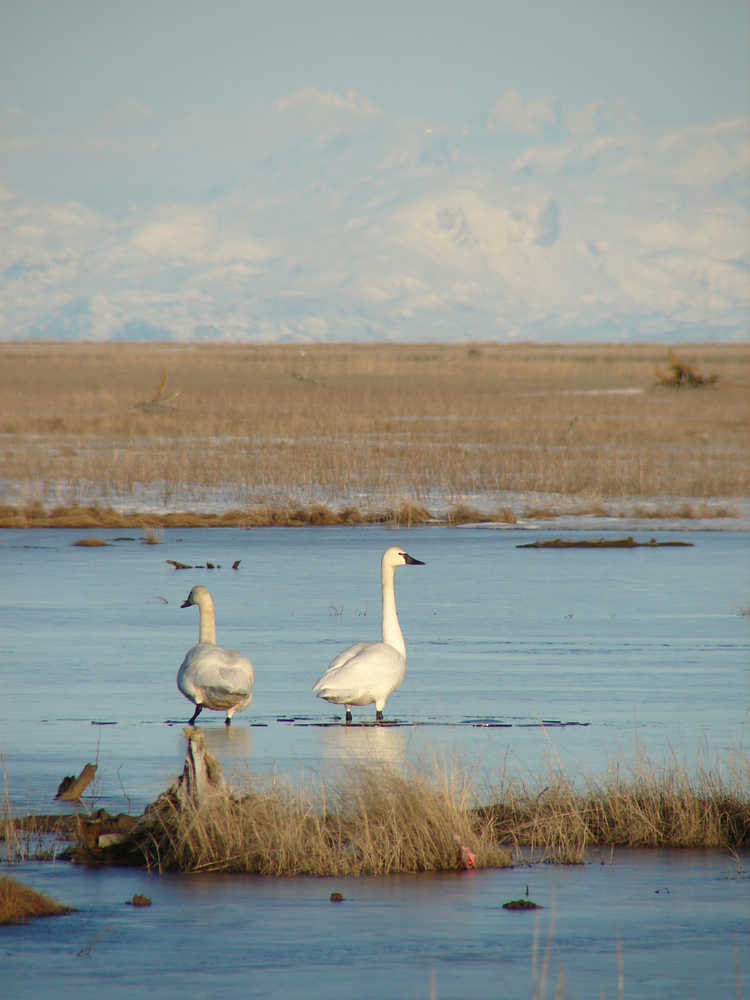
point(517, 660)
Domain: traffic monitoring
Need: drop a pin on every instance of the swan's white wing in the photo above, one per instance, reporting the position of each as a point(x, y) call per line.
point(236, 672)
point(331, 678)
point(364, 673)
point(348, 654)
point(218, 678)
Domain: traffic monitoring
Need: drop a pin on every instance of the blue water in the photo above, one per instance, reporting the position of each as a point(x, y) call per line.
point(642, 651)
point(672, 923)
point(646, 650)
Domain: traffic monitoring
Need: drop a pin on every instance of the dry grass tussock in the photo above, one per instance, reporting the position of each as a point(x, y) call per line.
point(18, 902)
point(266, 515)
point(406, 514)
point(650, 806)
point(376, 822)
point(378, 819)
point(290, 428)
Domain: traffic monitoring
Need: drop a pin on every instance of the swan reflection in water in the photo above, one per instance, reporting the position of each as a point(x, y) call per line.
point(379, 744)
point(231, 745)
point(229, 742)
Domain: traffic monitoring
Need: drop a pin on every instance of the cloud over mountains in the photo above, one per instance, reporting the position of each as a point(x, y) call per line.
point(318, 217)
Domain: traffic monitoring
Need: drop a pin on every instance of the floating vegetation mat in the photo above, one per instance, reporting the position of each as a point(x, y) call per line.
point(601, 543)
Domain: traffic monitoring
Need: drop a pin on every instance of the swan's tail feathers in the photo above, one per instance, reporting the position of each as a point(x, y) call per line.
point(337, 695)
point(222, 699)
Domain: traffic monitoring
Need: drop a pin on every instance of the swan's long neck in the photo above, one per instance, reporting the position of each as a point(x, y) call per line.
point(206, 619)
point(391, 628)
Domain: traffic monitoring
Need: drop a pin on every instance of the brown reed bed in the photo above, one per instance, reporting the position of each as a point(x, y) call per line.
point(377, 821)
point(262, 515)
point(319, 515)
point(38, 836)
point(381, 819)
point(646, 806)
point(285, 427)
point(19, 903)
point(466, 514)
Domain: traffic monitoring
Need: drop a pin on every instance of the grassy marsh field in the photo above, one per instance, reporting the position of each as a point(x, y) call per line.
point(356, 431)
point(378, 819)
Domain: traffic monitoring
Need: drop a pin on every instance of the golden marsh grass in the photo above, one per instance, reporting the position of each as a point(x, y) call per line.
point(647, 805)
point(287, 428)
point(379, 820)
point(18, 902)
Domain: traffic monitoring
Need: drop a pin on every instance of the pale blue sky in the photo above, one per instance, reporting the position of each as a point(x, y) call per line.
point(674, 61)
point(171, 168)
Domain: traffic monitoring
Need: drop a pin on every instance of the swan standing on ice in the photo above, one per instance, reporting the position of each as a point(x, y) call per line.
point(369, 671)
point(210, 676)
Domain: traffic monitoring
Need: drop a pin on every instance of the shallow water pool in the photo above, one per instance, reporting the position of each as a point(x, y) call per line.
point(518, 660)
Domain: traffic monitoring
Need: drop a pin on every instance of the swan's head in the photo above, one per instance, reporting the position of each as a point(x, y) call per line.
point(196, 595)
point(395, 556)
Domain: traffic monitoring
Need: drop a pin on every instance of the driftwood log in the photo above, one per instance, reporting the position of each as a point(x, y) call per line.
point(71, 788)
point(199, 787)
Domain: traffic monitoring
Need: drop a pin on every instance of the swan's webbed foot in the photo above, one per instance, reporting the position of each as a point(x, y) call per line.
point(378, 715)
point(228, 720)
point(196, 713)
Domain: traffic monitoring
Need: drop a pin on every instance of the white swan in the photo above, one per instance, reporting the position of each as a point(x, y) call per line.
point(210, 676)
point(369, 671)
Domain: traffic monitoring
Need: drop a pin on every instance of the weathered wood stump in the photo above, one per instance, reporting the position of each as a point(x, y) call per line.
point(200, 786)
point(202, 780)
point(71, 788)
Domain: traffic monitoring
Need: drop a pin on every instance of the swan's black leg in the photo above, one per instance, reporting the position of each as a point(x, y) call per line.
point(378, 715)
point(228, 721)
point(196, 713)
point(348, 716)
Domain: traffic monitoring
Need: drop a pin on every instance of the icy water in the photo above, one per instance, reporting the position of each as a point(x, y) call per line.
point(518, 659)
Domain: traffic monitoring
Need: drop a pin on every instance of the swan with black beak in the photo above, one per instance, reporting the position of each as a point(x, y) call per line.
point(368, 672)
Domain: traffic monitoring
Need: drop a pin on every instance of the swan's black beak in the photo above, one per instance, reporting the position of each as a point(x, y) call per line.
point(187, 604)
point(411, 561)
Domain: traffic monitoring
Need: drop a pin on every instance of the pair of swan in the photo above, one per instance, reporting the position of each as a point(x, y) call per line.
point(367, 672)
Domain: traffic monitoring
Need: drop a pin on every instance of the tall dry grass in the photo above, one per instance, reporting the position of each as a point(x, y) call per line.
point(647, 805)
point(277, 425)
point(375, 822)
point(380, 820)
point(18, 902)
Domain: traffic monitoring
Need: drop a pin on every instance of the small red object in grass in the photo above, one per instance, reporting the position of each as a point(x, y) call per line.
point(468, 857)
